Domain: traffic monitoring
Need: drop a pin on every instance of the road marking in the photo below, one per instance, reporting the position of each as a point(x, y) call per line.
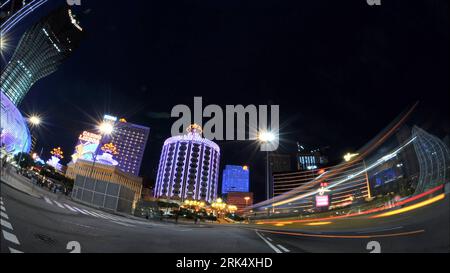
point(12, 250)
point(123, 224)
point(98, 215)
point(69, 207)
point(10, 237)
point(90, 213)
point(4, 215)
point(2, 208)
point(48, 200)
point(108, 217)
point(283, 248)
point(80, 211)
point(6, 224)
point(269, 239)
point(268, 243)
point(59, 204)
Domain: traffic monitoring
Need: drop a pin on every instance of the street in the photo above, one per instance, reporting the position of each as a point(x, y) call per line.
point(55, 224)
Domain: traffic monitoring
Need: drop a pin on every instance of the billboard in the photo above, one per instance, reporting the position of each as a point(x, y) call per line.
point(322, 200)
point(87, 146)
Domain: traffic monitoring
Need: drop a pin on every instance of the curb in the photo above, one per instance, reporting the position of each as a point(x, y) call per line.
point(21, 190)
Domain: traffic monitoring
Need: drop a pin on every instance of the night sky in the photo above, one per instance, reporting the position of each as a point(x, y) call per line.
point(340, 70)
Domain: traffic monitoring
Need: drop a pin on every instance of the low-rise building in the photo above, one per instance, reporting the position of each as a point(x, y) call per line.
point(104, 185)
point(239, 199)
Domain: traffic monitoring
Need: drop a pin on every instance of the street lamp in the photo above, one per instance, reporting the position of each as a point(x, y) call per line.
point(348, 157)
point(105, 129)
point(246, 200)
point(266, 137)
point(34, 121)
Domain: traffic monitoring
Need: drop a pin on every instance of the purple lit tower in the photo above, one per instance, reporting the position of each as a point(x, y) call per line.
point(188, 167)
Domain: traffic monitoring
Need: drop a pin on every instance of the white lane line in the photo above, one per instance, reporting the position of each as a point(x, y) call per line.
point(10, 237)
point(269, 243)
point(98, 215)
point(123, 224)
point(12, 250)
point(80, 211)
point(4, 215)
point(268, 238)
point(283, 248)
point(108, 217)
point(2, 208)
point(48, 200)
point(88, 212)
point(6, 224)
point(69, 207)
point(59, 204)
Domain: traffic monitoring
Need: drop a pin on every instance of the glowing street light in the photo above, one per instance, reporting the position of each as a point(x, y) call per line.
point(266, 137)
point(34, 120)
point(246, 200)
point(3, 43)
point(349, 156)
point(106, 128)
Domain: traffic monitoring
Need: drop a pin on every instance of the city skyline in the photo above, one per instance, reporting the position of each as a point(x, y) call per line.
point(103, 90)
point(226, 135)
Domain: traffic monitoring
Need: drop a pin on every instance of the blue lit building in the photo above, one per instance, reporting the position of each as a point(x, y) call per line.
point(14, 133)
point(235, 179)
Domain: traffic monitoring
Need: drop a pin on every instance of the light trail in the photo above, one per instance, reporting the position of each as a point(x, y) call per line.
point(373, 165)
point(411, 199)
point(318, 223)
point(344, 236)
point(365, 150)
point(412, 207)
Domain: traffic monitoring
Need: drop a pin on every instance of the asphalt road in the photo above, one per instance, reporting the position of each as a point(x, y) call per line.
point(53, 224)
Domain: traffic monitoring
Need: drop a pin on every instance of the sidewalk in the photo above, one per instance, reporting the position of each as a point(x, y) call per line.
point(20, 183)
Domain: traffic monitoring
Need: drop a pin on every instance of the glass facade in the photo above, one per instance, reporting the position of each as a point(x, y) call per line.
point(15, 136)
point(235, 179)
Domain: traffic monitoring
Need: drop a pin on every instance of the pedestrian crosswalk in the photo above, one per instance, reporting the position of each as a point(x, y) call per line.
point(7, 230)
point(96, 214)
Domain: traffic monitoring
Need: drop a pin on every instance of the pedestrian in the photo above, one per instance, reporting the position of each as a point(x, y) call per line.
point(176, 217)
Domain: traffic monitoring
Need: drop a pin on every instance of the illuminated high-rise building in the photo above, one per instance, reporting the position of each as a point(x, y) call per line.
point(235, 179)
point(40, 51)
point(188, 167)
point(130, 140)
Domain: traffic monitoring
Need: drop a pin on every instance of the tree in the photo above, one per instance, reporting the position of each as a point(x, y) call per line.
point(26, 160)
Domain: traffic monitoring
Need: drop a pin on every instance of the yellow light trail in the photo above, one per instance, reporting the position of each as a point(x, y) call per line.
point(412, 207)
point(345, 236)
point(318, 223)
